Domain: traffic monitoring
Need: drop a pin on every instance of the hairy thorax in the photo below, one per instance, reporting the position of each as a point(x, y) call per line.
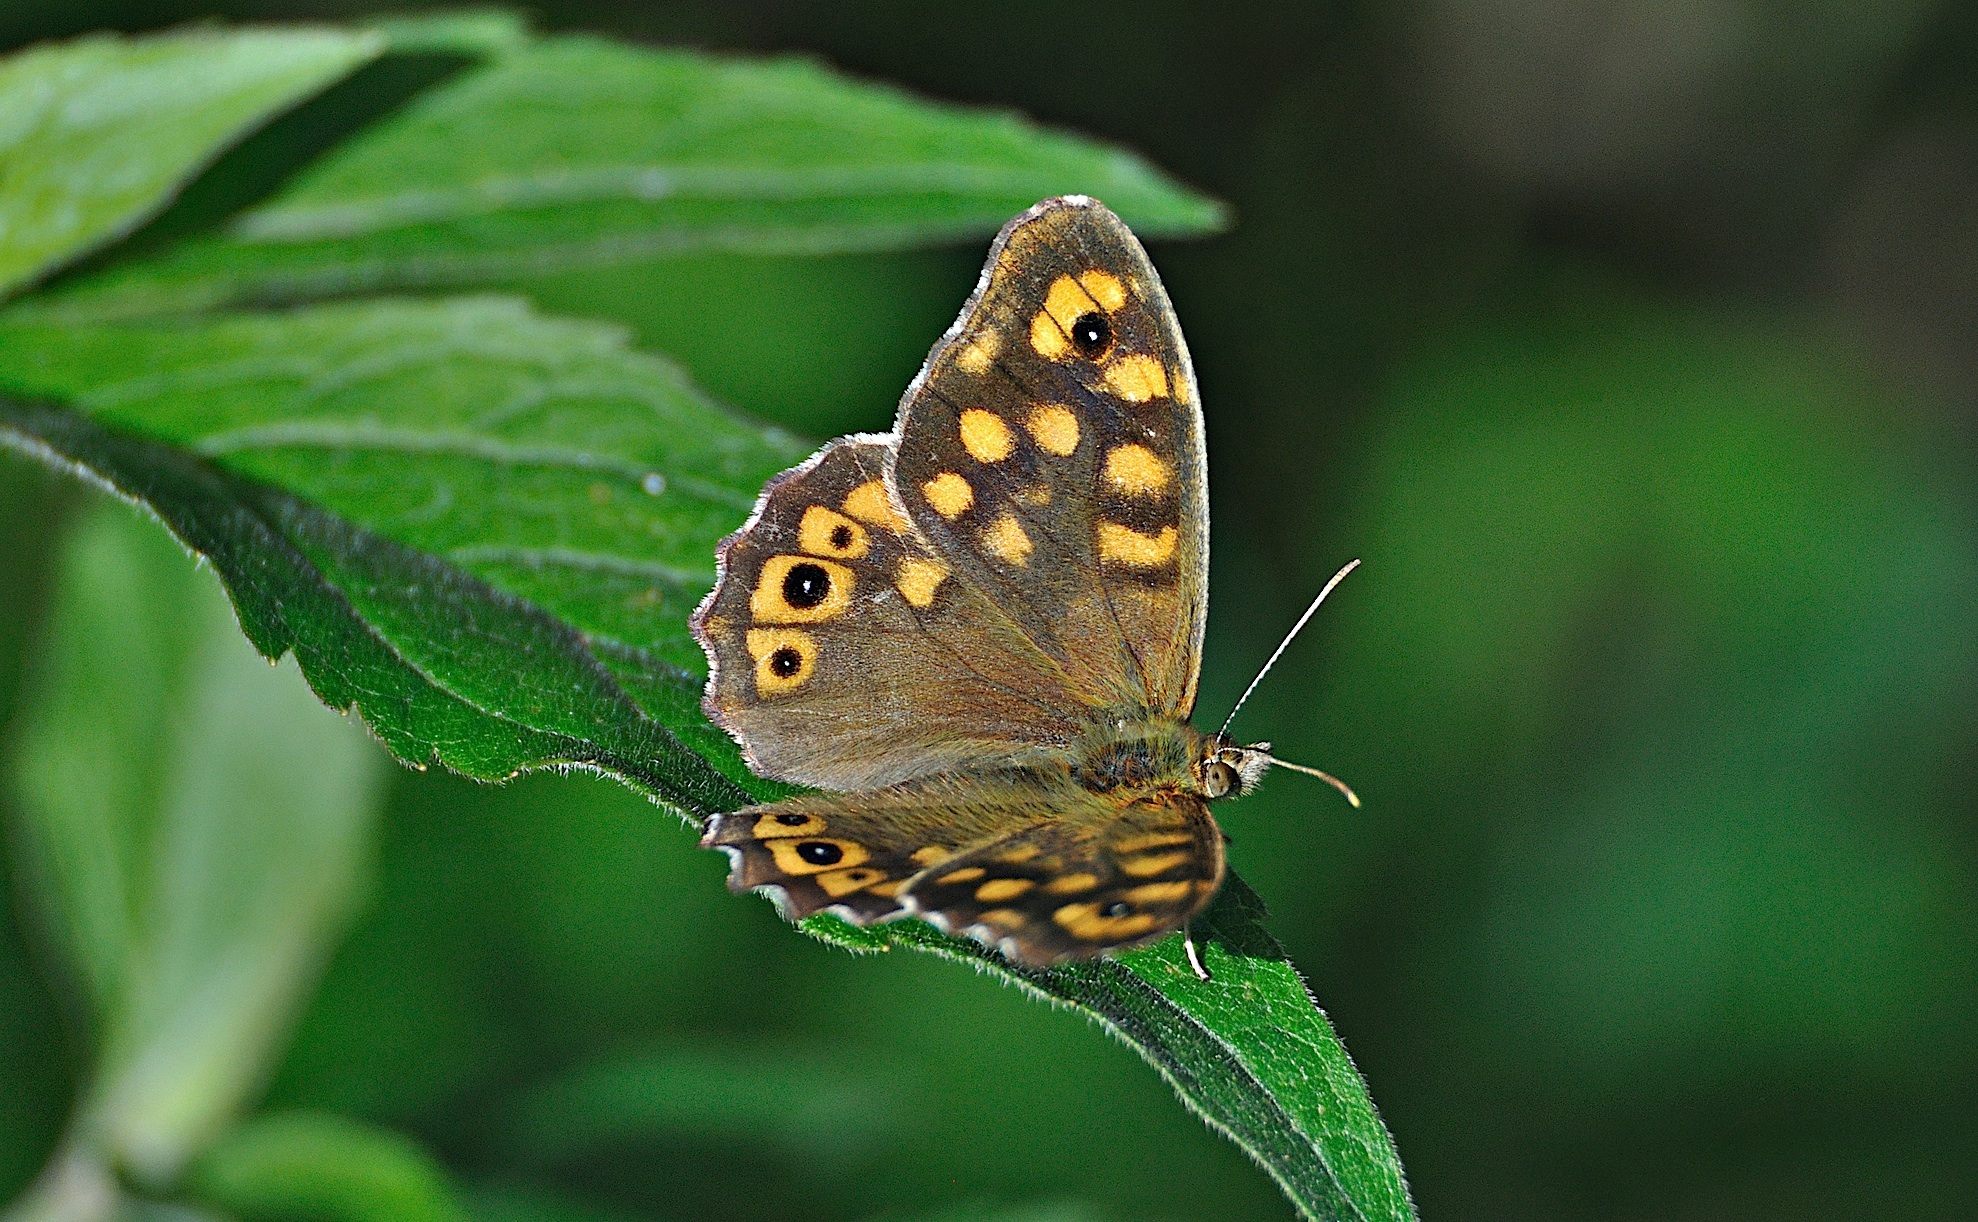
point(1155, 753)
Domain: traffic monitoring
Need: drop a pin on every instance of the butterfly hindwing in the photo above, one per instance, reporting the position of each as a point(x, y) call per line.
point(1074, 887)
point(1026, 859)
point(1052, 450)
point(888, 835)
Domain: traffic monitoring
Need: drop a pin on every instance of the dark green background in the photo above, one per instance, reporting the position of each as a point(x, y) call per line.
point(1634, 348)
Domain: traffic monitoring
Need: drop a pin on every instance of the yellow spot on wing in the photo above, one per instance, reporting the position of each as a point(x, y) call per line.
point(826, 532)
point(1006, 541)
point(985, 436)
point(790, 862)
point(1159, 893)
point(1071, 884)
point(1048, 338)
point(1018, 855)
point(996, 890)
point(1124, 545)
point(1067, 302)
point(1006, 919)
point(967, 874)
point(949, 494)
point(976, 355)
point(840, 883)
point(869, 504)
point(768, 604)
point(918, 580)
point(1137, 378)
point(768, 826)
point(1083, 921)
point(1137, 471)
point(930, 855)
point(1105, 289)
point(764, 646)
point(1153, 863)
point(1151, 840)
point(1054, 428)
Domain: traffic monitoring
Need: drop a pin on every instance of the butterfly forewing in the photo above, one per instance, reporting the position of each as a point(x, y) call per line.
point(1052, 450)
point(845, 655)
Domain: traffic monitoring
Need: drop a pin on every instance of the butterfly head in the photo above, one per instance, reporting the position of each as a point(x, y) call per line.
point(1227, 768)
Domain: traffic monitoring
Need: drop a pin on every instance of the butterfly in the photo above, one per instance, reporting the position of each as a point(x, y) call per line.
point(982, 632)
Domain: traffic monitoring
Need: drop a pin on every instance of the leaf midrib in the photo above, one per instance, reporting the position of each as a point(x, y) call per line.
point(637, 183)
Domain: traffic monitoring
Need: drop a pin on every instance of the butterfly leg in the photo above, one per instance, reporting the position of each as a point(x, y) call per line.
point(1194, 959)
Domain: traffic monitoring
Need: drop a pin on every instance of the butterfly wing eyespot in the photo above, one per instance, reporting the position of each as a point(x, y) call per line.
point(1092, 335)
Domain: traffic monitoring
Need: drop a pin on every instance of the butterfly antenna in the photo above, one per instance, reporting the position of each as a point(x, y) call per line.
point(1351, 797)
point(1278, 653)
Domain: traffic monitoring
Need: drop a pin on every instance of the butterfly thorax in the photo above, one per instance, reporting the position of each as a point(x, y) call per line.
point(1158, 752)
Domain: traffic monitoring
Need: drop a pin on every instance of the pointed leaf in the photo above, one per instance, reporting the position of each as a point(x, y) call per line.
point(575, 151)
point(99, 133)
point(492, 683)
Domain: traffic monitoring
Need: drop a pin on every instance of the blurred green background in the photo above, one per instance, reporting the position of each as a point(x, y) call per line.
point(1635, 349)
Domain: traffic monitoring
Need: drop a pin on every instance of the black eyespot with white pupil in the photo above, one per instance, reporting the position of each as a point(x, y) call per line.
point(1116, 909)
point(1092, 335)
point(792, 819)
point(785, 662)
point(820, 852)
point(841, 537)
point(805, 586)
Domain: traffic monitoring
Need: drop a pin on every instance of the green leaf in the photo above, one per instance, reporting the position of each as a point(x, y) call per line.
point(540, 455)
point(489, 684)
point(482, 528)
point(444, 668)
point(1056, 1211)
point(1249, 1051)
point(805, 1101)
point(97, 134)
point(575, 151)
point(462, 31)
point(314, 1167)
point(200, 887)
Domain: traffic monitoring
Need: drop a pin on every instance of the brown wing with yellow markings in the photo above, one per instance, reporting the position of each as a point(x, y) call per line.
point(844, 653)
point(1026, 861)
point(1075, 887)
point(1052, 453)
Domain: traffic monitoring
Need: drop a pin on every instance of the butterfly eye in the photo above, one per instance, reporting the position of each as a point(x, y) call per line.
point(1218, 779)
point(820, 852)
point(805, 586)
point(1116, 909)
point(1092, 335)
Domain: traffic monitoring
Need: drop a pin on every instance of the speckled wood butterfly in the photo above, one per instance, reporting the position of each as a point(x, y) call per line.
point(984, 629)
